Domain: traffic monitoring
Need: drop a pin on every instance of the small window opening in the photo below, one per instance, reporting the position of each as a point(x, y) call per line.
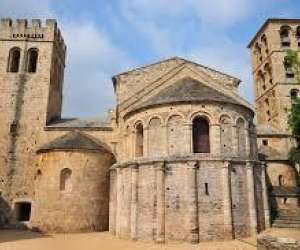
point(23, 211)
point(267, 101)
point(288, 68)
point(265, 142)
point(206, 188)
point(14, 60)
point(284, 200)
point(13, 128)
point(280, 180)
point(284, 36)
point(65, 180)
point(32, 57)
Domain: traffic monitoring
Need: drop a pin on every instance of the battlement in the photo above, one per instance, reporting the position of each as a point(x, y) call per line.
point(34, 30)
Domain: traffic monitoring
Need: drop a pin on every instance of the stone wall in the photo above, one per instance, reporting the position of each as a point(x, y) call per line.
point(188, 199)
point(81, 206)
point(273, 243)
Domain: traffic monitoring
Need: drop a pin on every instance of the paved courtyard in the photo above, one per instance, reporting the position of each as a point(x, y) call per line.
point(24, 240)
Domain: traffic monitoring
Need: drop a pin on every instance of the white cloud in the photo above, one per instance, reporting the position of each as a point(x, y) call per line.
point(26, 9)
point(216, 12)
point(92, 60)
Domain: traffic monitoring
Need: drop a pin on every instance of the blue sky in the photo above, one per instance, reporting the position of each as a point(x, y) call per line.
point(108, 37)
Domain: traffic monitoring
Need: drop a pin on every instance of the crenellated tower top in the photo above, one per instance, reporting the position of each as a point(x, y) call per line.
point(34, 30)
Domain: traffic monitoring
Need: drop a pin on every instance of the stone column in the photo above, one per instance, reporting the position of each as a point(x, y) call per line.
point(192, 202)
point(227, 210)
point(119, 202)
point(248, 142)
point(164, 139)
point(188, 126)
point(251, 198)
point(133, 143)
point(134, 200)
point(215, 139)
point(235, 145)
point(145, 141)
point(265, 196)
point(160, 193)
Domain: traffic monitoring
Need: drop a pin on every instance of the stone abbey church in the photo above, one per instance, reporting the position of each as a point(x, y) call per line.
point(179, 158)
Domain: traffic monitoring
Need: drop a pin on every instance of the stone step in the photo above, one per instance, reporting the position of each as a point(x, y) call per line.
point(286, 222)
point(287, 219)
point(280, 225)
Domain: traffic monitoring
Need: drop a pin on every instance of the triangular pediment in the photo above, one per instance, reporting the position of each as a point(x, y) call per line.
point(139, 82)
point(199, 81)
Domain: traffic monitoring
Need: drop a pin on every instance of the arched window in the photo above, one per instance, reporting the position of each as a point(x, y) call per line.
point(32, 58)
point(226, 135)
point(14, 60)
point(285, 36)
point(265, 43)
point(201, 135)
point(268, 71)
point(154, 144)
point(261, 80)
point(280, 180)
point(65, 180)
point(258, 52)
point(139, 140)
point(241, 136)
point(289, 73)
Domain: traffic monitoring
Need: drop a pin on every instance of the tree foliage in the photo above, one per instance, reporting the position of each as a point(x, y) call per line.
point(292, 59)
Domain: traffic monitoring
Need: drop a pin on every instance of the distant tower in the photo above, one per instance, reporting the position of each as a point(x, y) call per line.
point(275, 83)
point(32, 62)
point(276, 88)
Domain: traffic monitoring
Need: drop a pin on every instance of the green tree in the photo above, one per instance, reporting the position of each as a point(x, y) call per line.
point(292, 60)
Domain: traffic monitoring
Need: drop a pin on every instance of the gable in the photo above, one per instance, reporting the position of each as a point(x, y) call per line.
point(130, 83)
point(175, 77)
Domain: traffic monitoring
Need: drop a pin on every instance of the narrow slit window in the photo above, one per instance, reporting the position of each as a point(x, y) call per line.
point(206, 188)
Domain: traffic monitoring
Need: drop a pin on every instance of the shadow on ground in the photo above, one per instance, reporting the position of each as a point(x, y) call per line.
point(15, 235)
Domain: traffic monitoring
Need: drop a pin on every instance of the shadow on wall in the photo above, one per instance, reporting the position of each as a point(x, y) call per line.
point(8, 234)
point(272, 200)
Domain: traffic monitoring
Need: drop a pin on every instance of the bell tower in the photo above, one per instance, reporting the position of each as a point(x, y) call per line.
point(274, 81)
point(32, 62)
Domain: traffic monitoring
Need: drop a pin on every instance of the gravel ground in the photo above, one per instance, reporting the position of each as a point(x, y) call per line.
point(25, 240)
point(22, 240)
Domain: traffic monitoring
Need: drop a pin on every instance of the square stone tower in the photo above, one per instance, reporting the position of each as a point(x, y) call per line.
point(276, 87)
point(32, 62)
point(274, 81)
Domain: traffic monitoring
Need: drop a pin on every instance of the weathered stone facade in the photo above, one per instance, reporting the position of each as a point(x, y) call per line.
point(276, 86)
point(177, 160)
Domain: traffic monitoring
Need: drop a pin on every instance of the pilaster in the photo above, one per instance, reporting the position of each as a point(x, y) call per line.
point(265, 196)
point(227, 210)
point(160, 193)
point(192, 202)
point(134, 201)
point(251, 198)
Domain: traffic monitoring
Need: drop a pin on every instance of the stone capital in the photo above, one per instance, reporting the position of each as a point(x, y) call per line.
point(226, 164)
point(134, 166)
point(192, 164)
point(160, 165)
